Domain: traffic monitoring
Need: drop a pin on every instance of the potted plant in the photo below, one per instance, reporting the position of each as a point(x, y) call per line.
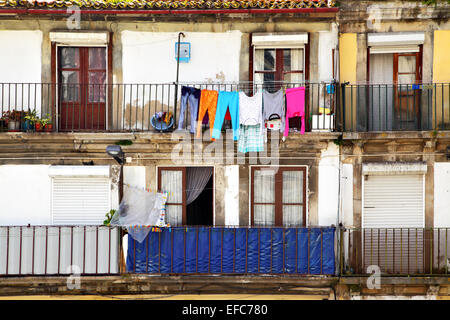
point(14, 119)
point(47, 123)
point(30, 120)
point(38, 125)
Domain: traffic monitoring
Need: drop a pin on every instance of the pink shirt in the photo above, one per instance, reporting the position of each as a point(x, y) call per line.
point(295, 107)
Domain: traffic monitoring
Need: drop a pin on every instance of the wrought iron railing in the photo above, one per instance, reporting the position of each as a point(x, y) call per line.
point(395, 107)
point(395, 251)
point(90, 250)
point(132, 107)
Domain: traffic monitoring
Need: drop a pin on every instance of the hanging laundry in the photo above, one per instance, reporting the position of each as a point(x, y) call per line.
point(227, 100)
point(191, 96)
point(295, 107)
point(273, 111)
point(251, 124)
point(250, 109)
point(208, 102)
point(251, 138)
point(273, 104)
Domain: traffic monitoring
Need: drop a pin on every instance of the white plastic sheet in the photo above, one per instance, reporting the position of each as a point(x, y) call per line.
point(139, 210)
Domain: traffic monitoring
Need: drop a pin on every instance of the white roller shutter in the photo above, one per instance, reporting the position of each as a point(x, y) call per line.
point(393, 201)
point(393, 218)
point(80, 200)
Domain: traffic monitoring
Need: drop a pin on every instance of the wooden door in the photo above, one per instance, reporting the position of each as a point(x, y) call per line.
point(82, 88)
point(407, 78)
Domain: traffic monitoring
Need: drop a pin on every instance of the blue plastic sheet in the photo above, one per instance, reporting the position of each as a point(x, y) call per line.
point(234, 250)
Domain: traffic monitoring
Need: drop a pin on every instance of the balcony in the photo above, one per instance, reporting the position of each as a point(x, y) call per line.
point(191, 250)
point(58, 250)
point(395, 107)
point(234, 250)
point(51, 107)
point(396, 251)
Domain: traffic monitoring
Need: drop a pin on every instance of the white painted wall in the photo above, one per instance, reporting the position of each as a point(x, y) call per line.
point(134, 176)
point(329, 185)
point(232, 195)
point(25, 195)
point(149, 57)
point(441, 194)
point(20, 62)
point(328, 41)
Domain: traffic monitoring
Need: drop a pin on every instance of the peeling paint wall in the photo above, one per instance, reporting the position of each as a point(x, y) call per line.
point(149, 57)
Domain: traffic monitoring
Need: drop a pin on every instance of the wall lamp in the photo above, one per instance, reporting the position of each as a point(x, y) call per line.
point(116, 152)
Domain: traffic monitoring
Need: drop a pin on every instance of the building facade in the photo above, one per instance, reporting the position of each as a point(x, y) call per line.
point(373, 159)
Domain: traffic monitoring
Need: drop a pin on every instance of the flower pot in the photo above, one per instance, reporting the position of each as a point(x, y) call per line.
point(48, 127)
point(28, 126)
point(13, 125)
point(38, 127)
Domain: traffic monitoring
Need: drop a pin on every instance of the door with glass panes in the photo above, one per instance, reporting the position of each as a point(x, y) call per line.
point(82, 88)
point(407, 90)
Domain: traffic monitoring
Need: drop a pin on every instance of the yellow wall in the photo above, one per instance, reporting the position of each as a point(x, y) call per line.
point(441, 58)
point(441, 76)
point(347, 73)
point(347, 57)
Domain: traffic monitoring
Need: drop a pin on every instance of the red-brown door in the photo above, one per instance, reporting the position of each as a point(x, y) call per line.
point(407, 80)
point(82, 88)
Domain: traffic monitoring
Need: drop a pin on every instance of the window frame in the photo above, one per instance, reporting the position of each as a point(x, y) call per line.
point(278, 202)
point(184, 205)
point(279, 52)
point(419, 63)
point(54, 65)
point(183, 186)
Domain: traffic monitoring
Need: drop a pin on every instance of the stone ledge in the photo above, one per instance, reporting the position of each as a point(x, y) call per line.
point(149, 284)
point(390, 135)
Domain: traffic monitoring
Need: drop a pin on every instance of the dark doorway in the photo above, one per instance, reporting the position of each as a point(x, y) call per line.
point(200, 211)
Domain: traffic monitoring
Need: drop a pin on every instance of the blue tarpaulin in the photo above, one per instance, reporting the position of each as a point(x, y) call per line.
point(234, 250)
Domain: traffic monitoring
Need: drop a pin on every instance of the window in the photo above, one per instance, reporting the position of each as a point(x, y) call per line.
point(279, 57)
point(278, 197)
point(190, 200)
point(393, 97)
point(279, 65)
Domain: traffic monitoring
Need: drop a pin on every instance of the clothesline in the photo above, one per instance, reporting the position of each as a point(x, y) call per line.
point(249, 115)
